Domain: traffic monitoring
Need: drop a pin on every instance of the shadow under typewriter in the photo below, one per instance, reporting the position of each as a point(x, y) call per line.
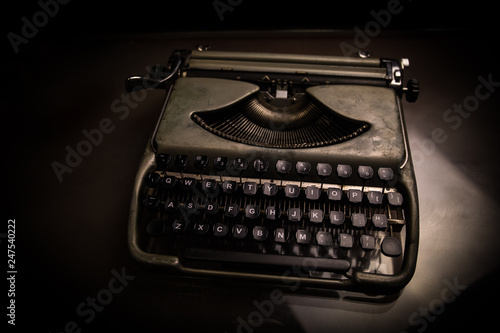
point(278, 181)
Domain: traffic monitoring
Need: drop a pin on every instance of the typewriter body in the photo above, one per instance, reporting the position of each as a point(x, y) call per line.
point(285, 169)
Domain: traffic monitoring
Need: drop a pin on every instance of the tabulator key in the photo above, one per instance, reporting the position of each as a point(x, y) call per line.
point(391, 247)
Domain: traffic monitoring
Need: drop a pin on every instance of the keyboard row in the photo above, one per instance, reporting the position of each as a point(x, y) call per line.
point(271, 213)
point(211, 188)
point(238, 166)
point(390, 246)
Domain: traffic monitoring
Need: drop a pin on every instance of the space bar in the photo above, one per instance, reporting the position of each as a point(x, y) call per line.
point(306, 263)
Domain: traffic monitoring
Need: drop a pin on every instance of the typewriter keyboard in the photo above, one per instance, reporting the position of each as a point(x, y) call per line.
point(328, 228)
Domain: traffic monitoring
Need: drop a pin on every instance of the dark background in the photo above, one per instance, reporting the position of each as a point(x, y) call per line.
point(71, 235)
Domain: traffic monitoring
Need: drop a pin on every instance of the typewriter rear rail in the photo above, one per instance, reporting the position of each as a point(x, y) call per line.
point(207, 205)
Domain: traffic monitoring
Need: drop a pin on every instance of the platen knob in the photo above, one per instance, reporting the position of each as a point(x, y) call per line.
point(412, 90)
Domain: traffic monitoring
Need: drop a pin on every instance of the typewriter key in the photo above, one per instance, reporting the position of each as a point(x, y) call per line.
point(395, 199)
point(152, 179)
point(379, 220)
point(391, 247)
point(220, 163)
point(240, 165)
point(385, 174)
point(155, 228)
point(367, 242)
point(283, 167)
point(303, 168)
point(162, 160)
point(200, 162)
point(358, 220)
point(365, 172)
point(344, 171)
point(323, 170)
point(181, 161)
point(260, 233)
point(260, 166)
point(346, 241)
point(324, 238)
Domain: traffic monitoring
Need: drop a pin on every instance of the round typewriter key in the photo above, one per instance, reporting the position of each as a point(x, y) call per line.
point(250, 188)
point(385, 173)
point(283, 167)
point(152, 201)
point(391, 247)
point(155, 228)
point(367, 242)
point(344, 171)
point(232, 210)
point(252, 211)
point(395, 198)
point(240, 231)
point(181, 161)
point(273, 213)
point(313, 192)
point(337, 217)
point(324, 238)
point(229, 186)
point(323, 170)
point(303, 236)
point(346, 240)
point(209, 185)
point(220, 163)
point(240, 165)
point(200, 162)
point(260, 166)
point(375, 197)
point(315, 215)
point(187, 183)
point(168, 182)
point(220, 229)
point(280, 235)
point(270, 189)
point(355, 196)
point(379, 220)
point(365, 172)
point(162, 160)
point(191, 206)
point(260, 233)
point(294, 214)
point(303, 168)
point(358, 220)
point(152, 179)
point(201, 228)
point(334, 193)
point(178, 226)
point(211, 207)
point(292, 191)
point(171, 205)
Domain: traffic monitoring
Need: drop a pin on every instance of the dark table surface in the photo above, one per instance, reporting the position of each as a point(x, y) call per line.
point(71, 233)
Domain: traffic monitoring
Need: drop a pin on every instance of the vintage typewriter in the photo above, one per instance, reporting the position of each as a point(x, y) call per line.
point(278, 168)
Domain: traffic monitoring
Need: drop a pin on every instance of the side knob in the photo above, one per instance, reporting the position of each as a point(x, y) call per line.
point(412, 90)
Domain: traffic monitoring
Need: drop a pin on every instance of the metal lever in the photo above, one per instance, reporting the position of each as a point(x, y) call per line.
point(157, 79)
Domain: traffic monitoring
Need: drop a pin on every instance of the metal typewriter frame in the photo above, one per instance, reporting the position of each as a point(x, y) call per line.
point(360, 281)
